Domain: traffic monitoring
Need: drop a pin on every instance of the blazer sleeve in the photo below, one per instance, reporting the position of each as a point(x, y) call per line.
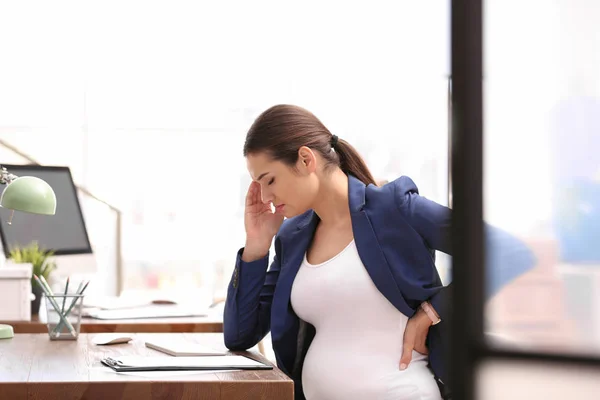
point(506, 256)
point(247, 313)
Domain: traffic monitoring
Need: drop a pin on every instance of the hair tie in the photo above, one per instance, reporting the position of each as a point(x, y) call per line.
point(334, 140)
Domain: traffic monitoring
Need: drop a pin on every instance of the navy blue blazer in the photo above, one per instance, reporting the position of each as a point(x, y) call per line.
point(396, 232)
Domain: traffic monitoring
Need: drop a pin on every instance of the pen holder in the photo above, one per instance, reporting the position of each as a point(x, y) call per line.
point(63, 313)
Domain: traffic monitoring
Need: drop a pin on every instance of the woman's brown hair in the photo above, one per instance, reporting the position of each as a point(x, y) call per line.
point(281, 130)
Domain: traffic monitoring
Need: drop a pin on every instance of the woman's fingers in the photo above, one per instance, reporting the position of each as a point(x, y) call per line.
point(254, 202)
point(253, 195)
point(250, 195)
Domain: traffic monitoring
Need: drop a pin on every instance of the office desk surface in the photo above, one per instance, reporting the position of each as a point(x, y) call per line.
point(147, 325)
point(33, 367)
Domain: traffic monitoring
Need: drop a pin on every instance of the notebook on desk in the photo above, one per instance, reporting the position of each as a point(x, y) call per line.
point(209, 363)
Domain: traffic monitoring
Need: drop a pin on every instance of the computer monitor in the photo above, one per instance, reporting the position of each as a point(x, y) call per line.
point(64, 233)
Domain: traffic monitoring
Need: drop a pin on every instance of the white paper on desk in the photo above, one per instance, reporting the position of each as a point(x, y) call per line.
point(148, 312)
point(113, 303)
point(233, 362)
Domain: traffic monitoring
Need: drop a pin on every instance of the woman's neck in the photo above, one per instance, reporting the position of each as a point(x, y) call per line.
point(332, 204)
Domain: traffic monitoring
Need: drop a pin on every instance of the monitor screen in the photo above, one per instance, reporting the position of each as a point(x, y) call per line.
point(64, 233)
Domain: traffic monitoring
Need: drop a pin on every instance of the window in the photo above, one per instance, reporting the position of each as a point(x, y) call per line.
point(160, 98)
point(538, 101)
point(542, 179)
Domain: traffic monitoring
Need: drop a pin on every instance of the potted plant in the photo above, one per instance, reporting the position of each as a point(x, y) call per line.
point(42, 264)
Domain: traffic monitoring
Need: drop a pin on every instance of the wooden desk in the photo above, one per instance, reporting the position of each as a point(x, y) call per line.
point(158, 325)
point(33, 367)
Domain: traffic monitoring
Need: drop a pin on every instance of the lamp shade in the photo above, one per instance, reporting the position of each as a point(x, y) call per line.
point(29, 194)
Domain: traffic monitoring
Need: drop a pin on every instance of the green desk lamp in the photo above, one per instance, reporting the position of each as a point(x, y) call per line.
point(27, 194)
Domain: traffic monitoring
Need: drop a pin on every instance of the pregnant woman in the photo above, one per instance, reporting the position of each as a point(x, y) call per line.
point(353, 299)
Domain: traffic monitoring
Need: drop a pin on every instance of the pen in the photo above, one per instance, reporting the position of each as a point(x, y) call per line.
point(62, 309)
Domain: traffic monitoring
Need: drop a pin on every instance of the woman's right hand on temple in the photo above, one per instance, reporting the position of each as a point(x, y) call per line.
point(261, 225)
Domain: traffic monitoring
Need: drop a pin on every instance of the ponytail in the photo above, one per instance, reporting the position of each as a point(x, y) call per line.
point(352, 163)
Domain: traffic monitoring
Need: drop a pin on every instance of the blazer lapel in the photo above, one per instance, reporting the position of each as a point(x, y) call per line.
point(368, 247)
point(295, 247)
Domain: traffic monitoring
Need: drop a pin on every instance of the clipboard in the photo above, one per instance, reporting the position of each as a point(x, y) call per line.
point(204, 363)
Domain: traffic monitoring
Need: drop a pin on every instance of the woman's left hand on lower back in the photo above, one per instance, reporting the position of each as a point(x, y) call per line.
point(415, 336)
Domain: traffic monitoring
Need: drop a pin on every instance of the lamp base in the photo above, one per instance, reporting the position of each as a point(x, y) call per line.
point(6, 332)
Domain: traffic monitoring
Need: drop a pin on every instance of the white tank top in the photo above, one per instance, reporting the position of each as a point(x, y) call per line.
point(358, 344)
